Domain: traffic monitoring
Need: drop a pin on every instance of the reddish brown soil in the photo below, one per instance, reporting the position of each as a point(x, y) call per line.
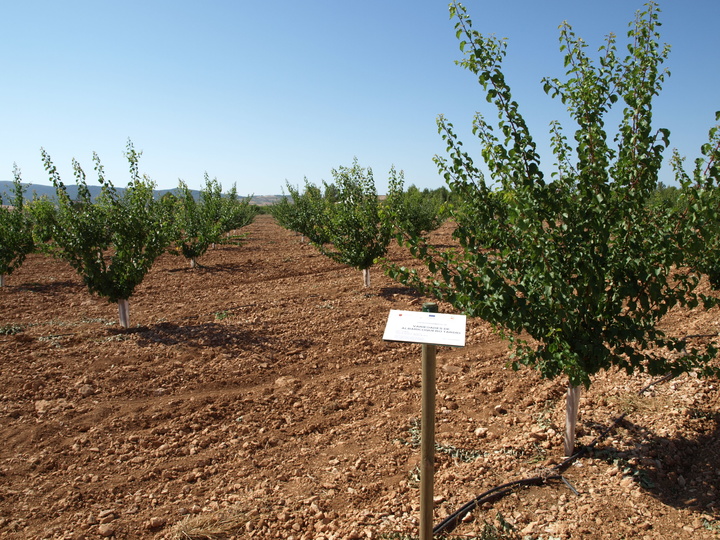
point(258, 390)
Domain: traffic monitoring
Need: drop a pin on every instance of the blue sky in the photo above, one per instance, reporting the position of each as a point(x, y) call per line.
point(257, 93)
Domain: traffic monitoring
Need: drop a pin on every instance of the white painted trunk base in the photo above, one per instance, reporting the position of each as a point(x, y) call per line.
point(571, 407)
point(366, 277)
point(124, 310)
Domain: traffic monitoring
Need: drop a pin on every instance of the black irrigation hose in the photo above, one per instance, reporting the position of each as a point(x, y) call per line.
point(451, 522)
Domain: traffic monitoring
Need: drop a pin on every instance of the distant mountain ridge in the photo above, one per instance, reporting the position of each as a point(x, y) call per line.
point(38, 190)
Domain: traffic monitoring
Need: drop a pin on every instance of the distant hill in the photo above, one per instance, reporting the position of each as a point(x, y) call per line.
point(38, 190)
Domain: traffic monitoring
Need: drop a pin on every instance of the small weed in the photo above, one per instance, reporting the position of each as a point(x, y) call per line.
point(116, 337)
point(498, 530)
point(699, 414)
point(518, 453)
point(466, 456)
point(711, 525)
point(11, 329)
point(100, 320)
point(544, 418)
point(461, 454)
point(643, 478)
point(539, 454)
point(611, 456)
point(54, 339)
point(221, 315)
point(608, 455)
point(401, 536)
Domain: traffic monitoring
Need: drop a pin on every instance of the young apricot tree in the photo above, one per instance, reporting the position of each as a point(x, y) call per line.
point(200, 224)
point(42, 213)
point(197, 224)
point(16, 239)
point(235, 214)
point(113, 242)
point(345, 221)
point(699, 200)
point(580, 262)
point(356, 232)
point(413, 211)
point(304, 212)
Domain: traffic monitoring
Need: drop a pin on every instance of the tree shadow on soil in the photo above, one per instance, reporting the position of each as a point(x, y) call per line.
point(225, 267)
point(49, 288)
point(213, 269)
point(391, 293)
point(199, 335)
point(679, 472)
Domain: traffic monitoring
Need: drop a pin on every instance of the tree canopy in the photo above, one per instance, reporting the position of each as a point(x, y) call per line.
point(576, 269)
point(113, 242)
point(16, 239)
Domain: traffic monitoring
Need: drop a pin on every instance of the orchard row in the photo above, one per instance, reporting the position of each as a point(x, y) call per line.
point(577, 268)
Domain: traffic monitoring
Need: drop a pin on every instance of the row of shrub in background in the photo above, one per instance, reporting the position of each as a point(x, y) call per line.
point(347, 220)
point(112, 242)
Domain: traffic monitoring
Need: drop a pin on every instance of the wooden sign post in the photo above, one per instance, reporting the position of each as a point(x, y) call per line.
point(429, 328)
point(427, 436)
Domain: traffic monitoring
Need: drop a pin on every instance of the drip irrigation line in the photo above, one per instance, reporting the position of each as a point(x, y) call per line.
point(452, 521)
point(448, 524)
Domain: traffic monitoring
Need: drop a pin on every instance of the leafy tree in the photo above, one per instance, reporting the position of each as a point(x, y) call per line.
point(576, 269)
point(345, 220)
point(331, 194)
point(16, 239)
point(113, 242)
point(665, 196)
point(698, 200)
point(307, 212)
point(284, 213)
point(415, 211)
point(197, 223)
point(235, 213)
point(356, 232)
point(43, 215)
point(441, 193)
point(202, 224)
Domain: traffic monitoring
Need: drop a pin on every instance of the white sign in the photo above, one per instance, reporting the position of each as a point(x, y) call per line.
point(424, 327)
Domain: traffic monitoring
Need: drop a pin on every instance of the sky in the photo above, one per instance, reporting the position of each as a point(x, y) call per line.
point(258, 94)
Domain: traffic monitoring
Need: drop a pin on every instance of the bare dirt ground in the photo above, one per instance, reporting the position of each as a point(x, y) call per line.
point(255, 397)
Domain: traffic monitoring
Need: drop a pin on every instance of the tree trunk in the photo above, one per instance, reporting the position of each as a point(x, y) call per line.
point(573, 402)
point(193, 262)
point(2, 280)
point(124, 310)
point(366, 277)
